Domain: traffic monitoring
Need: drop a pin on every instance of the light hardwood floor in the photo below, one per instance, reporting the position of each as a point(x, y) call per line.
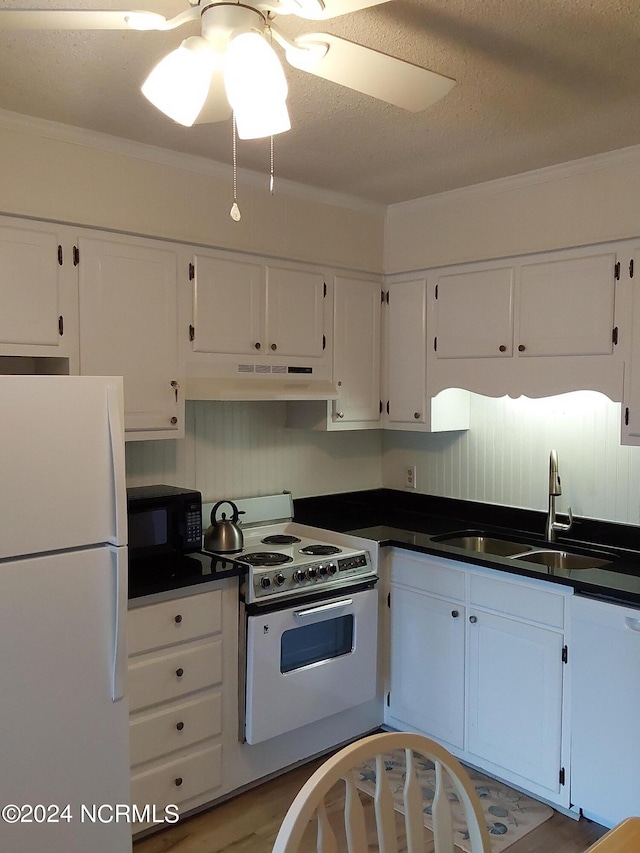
point(249, 823)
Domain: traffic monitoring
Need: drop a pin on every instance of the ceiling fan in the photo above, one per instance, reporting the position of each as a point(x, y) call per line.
point(232, 66)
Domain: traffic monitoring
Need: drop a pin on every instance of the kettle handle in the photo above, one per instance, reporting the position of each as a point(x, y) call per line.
point(236, 512)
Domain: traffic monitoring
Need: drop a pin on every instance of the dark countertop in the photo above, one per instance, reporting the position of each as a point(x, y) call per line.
point(154, 577)
point(411, 521)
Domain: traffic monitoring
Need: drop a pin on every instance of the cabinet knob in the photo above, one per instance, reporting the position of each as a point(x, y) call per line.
point(257, 345)
point(416, 415)
point(178, 619)
point(455, 614)
point(180, 672)
point(180, 726)
point(174, 420)
point(340, 414)
point(473, 618)
point(274, 347)
point(521, 348)
point(178, 781)
point(502, 348)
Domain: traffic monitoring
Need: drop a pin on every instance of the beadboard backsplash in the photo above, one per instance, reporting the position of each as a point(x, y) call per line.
point(504, 457)
point(241, 449)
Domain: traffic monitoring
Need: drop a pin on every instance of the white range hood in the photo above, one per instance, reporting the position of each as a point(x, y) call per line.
point(263, 388)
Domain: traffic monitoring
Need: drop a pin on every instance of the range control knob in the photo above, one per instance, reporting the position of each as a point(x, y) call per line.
point(323, 571)
point(298, 576)
point(332, 568)
point(311, 573)
point(278, 579)
point(265, 582)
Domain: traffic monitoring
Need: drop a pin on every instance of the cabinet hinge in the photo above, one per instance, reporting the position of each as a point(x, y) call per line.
point(61, 325)
point(388, 599)
point(435, 344)
point(387, 297)
point(76, 256)
point(616, 271)
point(614, 336)
point(626, 416)
point(387, 407)
point(382, 296)
point(631, 268)
point(324, 342)
point(325, 290)
point(380, 406)
point(565, 654)
point(436, 291)
point(561, 776)
point(388, 700)
point(60, 257)
point(192, 272)
point(192, 333)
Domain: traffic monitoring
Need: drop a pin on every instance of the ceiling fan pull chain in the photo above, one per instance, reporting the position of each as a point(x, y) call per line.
point(271, 172)
point(235, 210)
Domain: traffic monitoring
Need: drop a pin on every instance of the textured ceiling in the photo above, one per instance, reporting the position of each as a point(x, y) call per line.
point(539, 82)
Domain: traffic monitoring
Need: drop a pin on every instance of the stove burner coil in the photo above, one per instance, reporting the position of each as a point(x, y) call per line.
point(320, 550)
point(280, 539)
point(266, 558)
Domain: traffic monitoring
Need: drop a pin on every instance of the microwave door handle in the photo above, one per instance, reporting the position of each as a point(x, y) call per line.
point(322, 608)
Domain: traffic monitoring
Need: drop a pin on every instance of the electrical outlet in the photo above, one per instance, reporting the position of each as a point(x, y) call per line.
point(410, 477)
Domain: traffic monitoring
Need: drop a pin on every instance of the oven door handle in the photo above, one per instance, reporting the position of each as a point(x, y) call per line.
point(322, 608)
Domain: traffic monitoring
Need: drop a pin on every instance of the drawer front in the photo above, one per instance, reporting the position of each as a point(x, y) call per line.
point(522, 601)
point(167, 676)
point(156, 733)
point(428, 574)
point(178, 781)
point(175, 621)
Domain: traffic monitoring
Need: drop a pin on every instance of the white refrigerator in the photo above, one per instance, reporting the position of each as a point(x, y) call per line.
point(64, 751)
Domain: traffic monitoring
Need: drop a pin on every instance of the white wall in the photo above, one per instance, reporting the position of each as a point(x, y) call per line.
point(242, 449)
point(504, 457)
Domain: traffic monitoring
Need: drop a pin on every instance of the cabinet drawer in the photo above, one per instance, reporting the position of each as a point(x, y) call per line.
point(525, 602)
point(162, 677)
point(174, 621)
point(156, 733)
point(428, 574)
point(180, 780)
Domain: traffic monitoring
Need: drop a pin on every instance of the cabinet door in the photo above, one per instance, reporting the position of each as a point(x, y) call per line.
point(294, 312)
point(515, 697)
point(566, 306)
point(630, 427)
point(406, 353)
point(475, 313)
point(29, 286)
point(605, 737)
point(228, 309)
point(128, 323)
point(356, 348)
point(427, 664)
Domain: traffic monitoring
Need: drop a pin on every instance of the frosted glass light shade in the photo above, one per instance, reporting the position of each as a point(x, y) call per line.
point(179, 84)
point(256, 87)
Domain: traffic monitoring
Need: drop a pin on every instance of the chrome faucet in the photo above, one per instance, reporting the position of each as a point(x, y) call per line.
point(555, 490)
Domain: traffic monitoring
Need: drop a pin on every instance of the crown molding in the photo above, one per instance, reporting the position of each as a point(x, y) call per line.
point(597, 162)
point(165, 157)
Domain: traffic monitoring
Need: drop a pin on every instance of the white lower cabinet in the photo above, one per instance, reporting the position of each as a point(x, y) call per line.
point(605, 783)
point(477, 663)
point(176, 676)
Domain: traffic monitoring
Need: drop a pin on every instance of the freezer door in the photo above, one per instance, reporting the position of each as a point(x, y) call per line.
point(65, 740)
point(61, 463)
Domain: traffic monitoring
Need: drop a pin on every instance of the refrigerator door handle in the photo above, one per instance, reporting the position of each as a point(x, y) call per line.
point(118, 681)
point(116, 435)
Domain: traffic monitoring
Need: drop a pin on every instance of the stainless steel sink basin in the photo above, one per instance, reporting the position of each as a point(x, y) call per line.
point(554, 560)
point(481, 544)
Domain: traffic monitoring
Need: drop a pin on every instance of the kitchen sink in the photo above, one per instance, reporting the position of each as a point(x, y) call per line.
point(481, 544)
point(565, 560)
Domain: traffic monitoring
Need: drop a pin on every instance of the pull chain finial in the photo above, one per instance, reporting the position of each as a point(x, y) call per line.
point(234, 213)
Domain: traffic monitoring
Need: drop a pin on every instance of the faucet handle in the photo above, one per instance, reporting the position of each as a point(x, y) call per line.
point(559, 526)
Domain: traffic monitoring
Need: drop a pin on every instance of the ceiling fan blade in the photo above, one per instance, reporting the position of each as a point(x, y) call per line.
point(377, 74)
point(62, 19)
point(331, 8)
point(216, 107)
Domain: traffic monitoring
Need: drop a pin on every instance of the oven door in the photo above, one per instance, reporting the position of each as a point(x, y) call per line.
point(309, 661)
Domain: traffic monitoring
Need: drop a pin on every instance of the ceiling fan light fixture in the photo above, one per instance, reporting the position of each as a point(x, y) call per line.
point(179, 84)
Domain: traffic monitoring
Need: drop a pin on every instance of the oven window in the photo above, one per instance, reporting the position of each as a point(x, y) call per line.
point(311, 644)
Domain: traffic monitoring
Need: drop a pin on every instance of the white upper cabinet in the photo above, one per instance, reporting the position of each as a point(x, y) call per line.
point(128, 327)
point(500, 327)
point(294, 312)
point(475, 313)
point(228, 305)
point(630, 279)
point(38, 313)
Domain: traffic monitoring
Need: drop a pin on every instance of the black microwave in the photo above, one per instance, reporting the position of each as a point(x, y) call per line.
point(163, 521)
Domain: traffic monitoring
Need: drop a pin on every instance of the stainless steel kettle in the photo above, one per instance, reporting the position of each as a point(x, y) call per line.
point(224, 536)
